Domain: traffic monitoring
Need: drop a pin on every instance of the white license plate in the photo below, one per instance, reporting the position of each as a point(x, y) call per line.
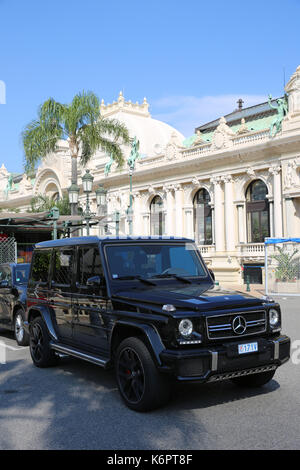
point(248, 348)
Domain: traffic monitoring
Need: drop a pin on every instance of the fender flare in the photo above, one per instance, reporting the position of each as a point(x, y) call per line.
point(46, 316)
point(152, 335)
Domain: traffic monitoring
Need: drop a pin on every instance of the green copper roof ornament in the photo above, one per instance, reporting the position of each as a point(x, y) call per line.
point(134, 154)
point(282, 109)
point(9, 185)
point(108, 166)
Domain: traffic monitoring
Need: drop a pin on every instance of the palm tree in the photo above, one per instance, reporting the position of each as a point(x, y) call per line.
point(81, 124)
point(41, 203)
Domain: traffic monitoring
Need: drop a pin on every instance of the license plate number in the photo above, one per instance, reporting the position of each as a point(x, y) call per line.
point(248, 348)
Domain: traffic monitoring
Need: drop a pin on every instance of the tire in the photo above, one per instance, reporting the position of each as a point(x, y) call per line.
point(41, 353)
point(141, 385)
point(255, 380)
point(21, 336)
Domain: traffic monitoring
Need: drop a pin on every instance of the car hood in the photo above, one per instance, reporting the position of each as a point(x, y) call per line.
point(191, 297)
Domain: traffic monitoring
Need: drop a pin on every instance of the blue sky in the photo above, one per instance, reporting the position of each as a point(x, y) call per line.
point(192, 59)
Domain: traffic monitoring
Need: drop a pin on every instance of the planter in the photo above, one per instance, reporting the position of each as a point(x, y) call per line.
point(289, 287)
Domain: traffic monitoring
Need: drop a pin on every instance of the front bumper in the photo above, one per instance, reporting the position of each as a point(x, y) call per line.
point(222, 362)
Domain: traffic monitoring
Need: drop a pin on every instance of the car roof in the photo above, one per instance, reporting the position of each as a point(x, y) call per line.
point(109, 239)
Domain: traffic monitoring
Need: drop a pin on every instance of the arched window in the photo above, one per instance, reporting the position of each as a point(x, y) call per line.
point(55, 197)
point(258, 213)
point(157, 216)
point(202, 218)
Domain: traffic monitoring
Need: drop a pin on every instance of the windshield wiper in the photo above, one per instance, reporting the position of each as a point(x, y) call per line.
point(179, 278)
point(140, 278)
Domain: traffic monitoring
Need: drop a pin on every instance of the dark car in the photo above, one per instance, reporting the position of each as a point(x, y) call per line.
point(13, 287)
point(148, 307)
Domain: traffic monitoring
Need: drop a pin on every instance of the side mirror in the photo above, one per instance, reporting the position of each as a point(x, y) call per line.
point(211, 274)
point(94, 281)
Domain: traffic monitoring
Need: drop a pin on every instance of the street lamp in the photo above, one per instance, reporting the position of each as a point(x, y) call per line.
point(73, 192)
point(134, 154)
point(101, 204)
point(101, 196)
point(130, 210)
point(87, 185)
point(87, 182)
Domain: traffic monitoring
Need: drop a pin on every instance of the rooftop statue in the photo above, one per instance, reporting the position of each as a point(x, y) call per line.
point(9, 185)
point(198, 139)
point(282, 109)
point(243, 129)
point(134, 154)
point(108, 165)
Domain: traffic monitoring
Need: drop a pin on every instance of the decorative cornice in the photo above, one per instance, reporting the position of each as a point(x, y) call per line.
point(227, 178)
point(275, 170)
point(122, 105)
point(216, 180)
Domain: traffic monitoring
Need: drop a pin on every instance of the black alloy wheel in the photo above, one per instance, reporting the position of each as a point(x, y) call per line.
point(141, 385)
point(131, 375)
point(41, 353)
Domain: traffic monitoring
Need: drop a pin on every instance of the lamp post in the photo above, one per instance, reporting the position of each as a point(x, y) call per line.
point(87, 184)
point(129, 210)
point(101, 203)
point(134, 155)
point(73, 192)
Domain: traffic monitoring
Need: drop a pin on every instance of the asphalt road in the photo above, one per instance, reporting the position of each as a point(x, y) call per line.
point(77, 406)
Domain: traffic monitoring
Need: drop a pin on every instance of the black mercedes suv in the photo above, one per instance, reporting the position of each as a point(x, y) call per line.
point(148, 307)
point(13, 287)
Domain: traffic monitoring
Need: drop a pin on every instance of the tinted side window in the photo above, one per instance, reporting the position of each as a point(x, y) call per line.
point(40, 266)
point(89, 264)
point(63, 266)
point(21, 274)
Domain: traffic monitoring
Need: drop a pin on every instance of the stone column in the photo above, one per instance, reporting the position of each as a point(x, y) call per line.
point(146, 224)
point(169, 210)
point(230, 217)
point(137, 219)
point(271, 211)
point(241, 222)
point(219, 214)
point(189, 229)
point(275, 171)
point(289, 214)
point(178, 210)
point(213, 223)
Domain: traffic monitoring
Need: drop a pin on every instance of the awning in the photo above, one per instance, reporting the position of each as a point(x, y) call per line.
point(273, 241)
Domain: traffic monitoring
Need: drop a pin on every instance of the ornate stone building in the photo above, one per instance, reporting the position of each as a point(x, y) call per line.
point(234, 182)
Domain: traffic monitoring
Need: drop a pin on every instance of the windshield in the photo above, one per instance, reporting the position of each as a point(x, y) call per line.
point(22, 273)
point(156, 260)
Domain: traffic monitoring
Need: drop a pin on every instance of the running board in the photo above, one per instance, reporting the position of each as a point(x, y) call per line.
point(79, 354)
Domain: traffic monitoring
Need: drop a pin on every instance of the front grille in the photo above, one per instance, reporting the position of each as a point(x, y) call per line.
point(221, 326)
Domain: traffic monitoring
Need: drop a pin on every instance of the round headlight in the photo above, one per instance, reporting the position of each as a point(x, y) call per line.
point(185, 327)
point(274, 317)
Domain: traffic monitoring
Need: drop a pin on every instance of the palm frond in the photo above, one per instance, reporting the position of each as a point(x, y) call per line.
point(115, 129)
point(106, 135)
point(40, 136)
point(42, 203)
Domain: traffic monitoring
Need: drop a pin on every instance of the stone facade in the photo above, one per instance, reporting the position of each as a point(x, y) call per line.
point(224, 165)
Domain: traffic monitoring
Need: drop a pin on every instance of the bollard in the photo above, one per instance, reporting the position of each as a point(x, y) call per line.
point(248, 284)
